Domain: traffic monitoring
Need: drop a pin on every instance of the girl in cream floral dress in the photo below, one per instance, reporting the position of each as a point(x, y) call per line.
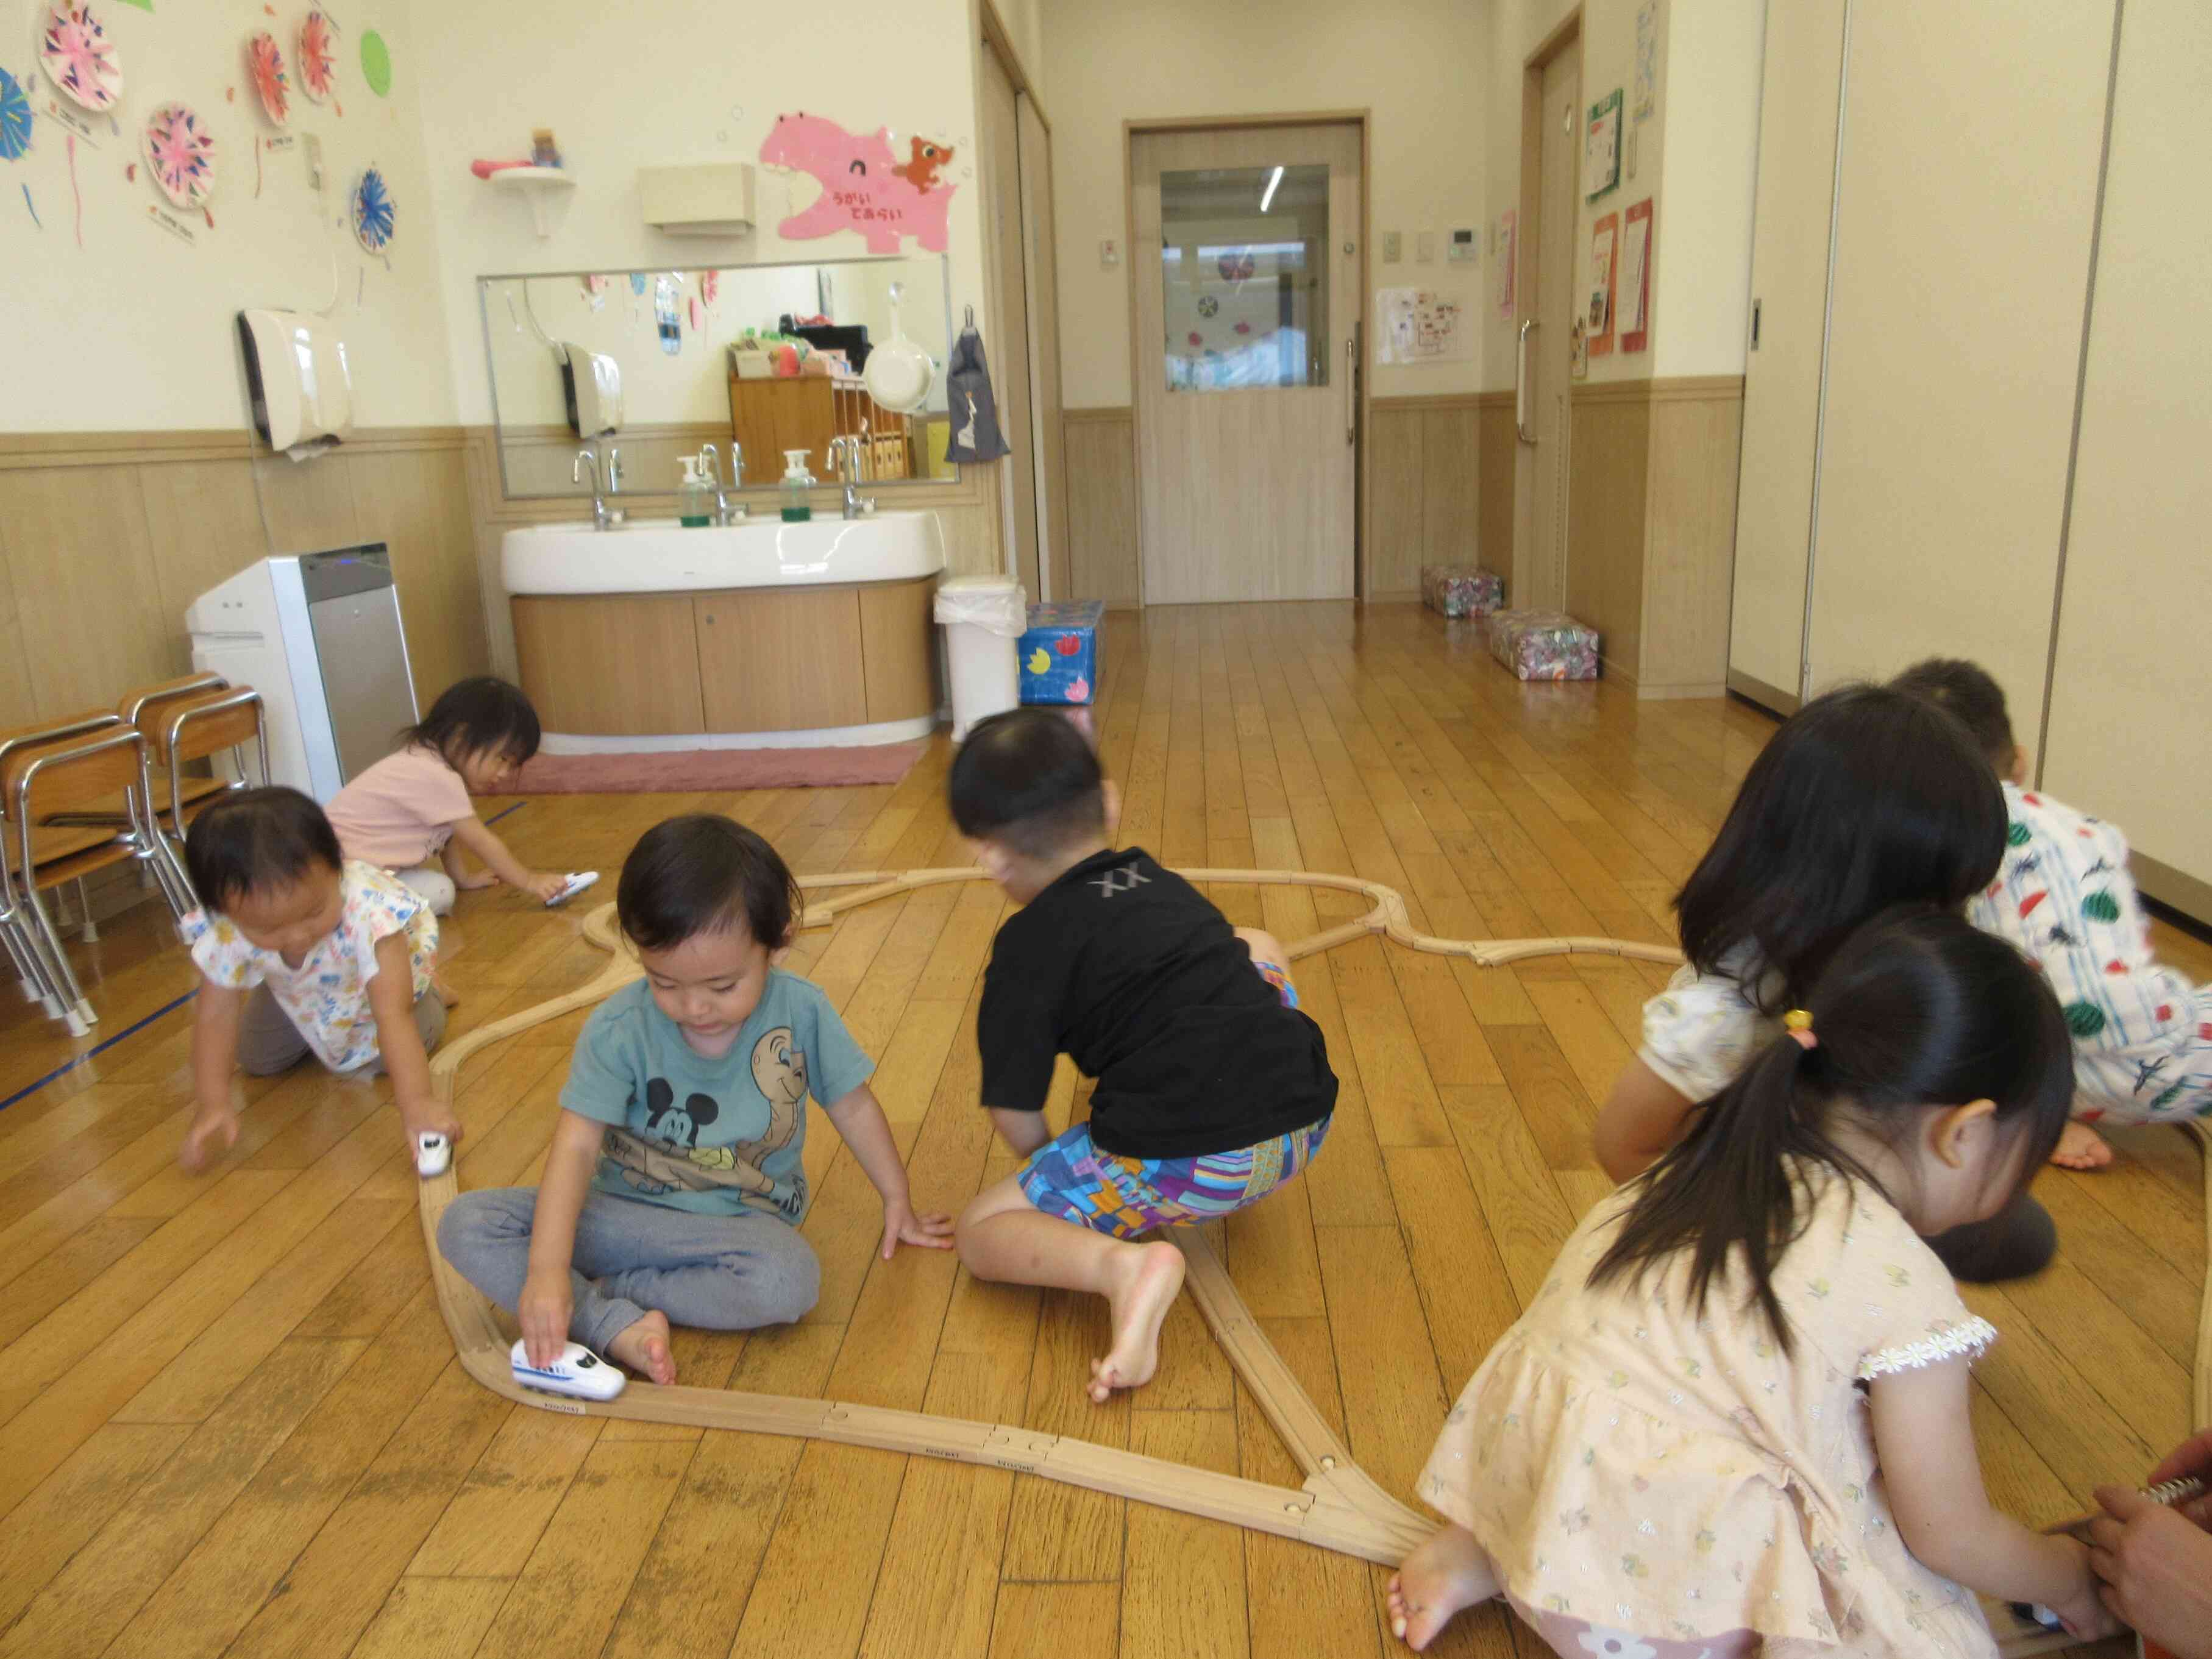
point(1735, 1420)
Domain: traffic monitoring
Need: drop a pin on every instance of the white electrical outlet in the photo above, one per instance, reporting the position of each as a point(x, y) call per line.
point(1392, 247)
point(1425, 248)
point(1109, 254)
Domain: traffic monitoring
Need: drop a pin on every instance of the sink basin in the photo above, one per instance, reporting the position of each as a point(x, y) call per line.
point(659, 555)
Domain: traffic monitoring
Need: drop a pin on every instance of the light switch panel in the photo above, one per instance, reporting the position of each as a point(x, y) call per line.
point(1392, 247)
point(1425, 247)
point(1109, 254)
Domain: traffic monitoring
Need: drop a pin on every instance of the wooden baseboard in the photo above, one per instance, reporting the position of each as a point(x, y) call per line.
point(1773, 699)
point(2177, 890)
point(1673, 693)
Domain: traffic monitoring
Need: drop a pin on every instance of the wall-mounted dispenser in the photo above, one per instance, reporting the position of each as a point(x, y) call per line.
point(709, 198)
point(592, 383)
point(296, 376)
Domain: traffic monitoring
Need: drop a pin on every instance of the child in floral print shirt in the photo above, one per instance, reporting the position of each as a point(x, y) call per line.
point(301, 950)
point(1734, 1419)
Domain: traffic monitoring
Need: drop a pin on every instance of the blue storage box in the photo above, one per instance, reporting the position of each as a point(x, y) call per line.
point(1059, 654)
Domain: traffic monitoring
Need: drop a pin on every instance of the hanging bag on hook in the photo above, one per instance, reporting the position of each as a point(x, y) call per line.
point(970, 402)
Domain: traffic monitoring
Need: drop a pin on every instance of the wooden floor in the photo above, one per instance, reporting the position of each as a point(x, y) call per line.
point(230, 1420)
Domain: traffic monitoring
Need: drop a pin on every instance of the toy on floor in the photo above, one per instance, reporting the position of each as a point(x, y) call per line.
point(575, 884)
point(578, 1372)
point(434, 1153)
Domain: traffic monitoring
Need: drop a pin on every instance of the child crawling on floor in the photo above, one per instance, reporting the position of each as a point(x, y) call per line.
point(1212, 1089)
point(674, 1186)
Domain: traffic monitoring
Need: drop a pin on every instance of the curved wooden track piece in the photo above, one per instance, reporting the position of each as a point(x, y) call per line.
point(1338, 1508)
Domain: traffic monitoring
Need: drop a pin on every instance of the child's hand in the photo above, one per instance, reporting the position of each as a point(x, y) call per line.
point(543, 884)
point(903, 1226)
point(544, 1312)
point(471, 884)
point(427, 1116)
point(2084, 1613)
point(214, 1132)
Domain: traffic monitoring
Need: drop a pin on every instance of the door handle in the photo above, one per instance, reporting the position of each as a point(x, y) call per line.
point(1521, 427)
point(1351, 387)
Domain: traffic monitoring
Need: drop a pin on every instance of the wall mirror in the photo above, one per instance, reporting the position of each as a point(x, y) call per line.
point(653, 364)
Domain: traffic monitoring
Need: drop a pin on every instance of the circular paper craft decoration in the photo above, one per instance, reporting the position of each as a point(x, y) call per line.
point(267, 64)
point(79, 58)
point(376, 63)
point(318, 56)
point(698, 316)
point(180, 154)
point(710, 284)
point(373, 212)
point(15, 118)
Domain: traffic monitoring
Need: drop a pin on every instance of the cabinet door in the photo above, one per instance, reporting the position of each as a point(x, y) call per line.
point(898, 640)
point(785, 660)
point(1782, 371)
point(609, 664)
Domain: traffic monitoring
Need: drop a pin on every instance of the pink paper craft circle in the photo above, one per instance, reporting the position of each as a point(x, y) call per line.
point(179, 155)
point(266, 64)
point(78, 57)
point(698, 316)
point(316, 56)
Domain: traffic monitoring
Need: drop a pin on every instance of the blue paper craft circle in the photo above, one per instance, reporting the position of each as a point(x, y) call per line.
point(15, 118)
point(373, 212)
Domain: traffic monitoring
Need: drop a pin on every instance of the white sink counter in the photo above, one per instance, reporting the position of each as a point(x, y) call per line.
point(659, 555)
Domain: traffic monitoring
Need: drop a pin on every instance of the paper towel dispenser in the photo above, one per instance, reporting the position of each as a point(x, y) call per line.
point(591, 381)
point(297, 378)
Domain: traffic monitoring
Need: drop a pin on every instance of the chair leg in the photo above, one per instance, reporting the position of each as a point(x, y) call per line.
point(73, 996)
point(30, 971)
point(54, 993)
point(169, 872)
point(91, 933)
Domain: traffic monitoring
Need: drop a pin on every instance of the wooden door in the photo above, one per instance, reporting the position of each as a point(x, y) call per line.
point(1539, 566)
point(1246, 261)
point(1009, 348)
point(780, 660)
point(1789, 245)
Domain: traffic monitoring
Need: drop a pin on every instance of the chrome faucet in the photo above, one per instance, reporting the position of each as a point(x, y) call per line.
point(726, 512)
point(614, 482)
point(845, 456)
point(601, 519)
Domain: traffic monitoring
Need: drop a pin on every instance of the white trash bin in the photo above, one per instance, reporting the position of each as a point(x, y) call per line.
point(983, 617)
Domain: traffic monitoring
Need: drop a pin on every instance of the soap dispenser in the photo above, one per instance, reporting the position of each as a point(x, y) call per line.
point(695, 497)
point(797, 508)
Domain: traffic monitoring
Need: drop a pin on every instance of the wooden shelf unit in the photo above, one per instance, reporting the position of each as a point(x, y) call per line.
point(805, 413)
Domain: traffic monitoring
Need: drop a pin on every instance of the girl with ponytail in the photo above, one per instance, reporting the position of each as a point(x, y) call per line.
point(1734, 1419)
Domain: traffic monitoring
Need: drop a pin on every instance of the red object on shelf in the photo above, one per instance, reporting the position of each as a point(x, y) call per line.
point(485, 169)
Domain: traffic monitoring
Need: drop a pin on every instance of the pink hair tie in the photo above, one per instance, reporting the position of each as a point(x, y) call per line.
point(1799, 1024)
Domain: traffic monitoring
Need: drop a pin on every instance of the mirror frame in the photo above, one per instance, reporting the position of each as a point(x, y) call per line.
point(491, 380)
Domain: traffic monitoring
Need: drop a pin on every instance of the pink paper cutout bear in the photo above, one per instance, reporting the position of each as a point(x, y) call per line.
point(860, 189)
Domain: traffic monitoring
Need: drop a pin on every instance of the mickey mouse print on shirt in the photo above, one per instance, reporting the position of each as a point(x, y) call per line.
point(719, 1134)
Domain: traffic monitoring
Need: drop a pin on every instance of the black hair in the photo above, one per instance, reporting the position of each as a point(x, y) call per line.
point(1865, 797)
point(482, 712)
point(1029, 781)
point(252, 840)
point(1918, 1008)
point(1965, 691)
point(704, 873)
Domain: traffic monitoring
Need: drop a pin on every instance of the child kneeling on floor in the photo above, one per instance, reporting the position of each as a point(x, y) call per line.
point(674, 1186)
point(1735, 1420)
point(302, 951)
point(1212, 1089)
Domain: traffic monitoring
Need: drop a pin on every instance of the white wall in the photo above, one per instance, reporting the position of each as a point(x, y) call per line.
point(656, 83)
point(1419, 66)
point(1696, 158)
point(136, 330)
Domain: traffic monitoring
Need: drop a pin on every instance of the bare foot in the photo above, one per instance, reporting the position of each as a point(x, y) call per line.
point(642, 1347)
point(446, 993)
point(1445, 1575)
point(1140, 1302)
point(2081, 1147)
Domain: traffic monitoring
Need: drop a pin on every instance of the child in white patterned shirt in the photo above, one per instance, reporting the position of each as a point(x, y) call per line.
point(2142, 1034)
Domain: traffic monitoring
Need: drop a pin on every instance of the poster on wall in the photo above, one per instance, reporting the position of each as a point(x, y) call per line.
point(1602, 147)
point(1420, 325)
point(1508, 264)
point(1597, 314)
point(1636, 276)
point(865, 185)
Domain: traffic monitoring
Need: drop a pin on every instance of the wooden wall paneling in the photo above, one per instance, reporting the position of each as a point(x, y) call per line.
point(1451, 483)
point(540, 460)
point(1102, 504)
point(898, 648)
point(203, 524)
point(647, 651)
point(1496, 455)
point(782, 660)
point(1396, 474)
point(1689, 558)
point(307, 506)
point(1041, 270)
point(91, 617)
point(1610, 440)
point(17, 706)
point(400, 500)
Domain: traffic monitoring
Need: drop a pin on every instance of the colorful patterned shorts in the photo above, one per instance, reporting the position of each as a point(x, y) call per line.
point(1070, 1178)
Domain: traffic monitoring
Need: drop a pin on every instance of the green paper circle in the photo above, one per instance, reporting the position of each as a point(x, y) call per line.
point(376, 63)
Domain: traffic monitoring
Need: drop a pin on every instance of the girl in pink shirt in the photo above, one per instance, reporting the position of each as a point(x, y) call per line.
point(413, 806)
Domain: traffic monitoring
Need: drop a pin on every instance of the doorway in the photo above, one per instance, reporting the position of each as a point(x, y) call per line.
point(1246, 257)
point(1550, 211)
point(1016, 176)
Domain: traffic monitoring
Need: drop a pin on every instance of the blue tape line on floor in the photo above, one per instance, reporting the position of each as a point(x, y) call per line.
point(101, 1046)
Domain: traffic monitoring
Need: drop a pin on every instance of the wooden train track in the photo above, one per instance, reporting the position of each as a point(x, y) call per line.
point(1337, 1508)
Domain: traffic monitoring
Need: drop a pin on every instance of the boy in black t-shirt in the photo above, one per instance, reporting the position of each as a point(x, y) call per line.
point(1213, 1090)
